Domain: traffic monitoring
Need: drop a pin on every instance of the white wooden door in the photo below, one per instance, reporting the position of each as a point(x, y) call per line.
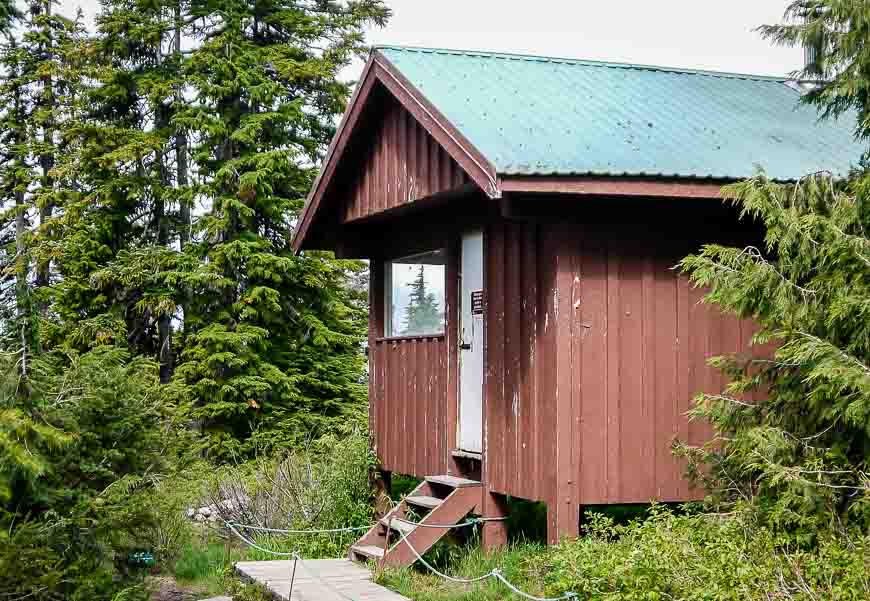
point(471, 343)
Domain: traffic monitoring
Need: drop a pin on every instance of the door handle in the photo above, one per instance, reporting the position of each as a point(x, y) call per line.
point(465, 346)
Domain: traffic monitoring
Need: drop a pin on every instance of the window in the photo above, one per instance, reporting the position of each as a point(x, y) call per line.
point(415, 295)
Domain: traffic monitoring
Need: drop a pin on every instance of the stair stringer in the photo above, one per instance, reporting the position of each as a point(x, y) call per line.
point(456, 506)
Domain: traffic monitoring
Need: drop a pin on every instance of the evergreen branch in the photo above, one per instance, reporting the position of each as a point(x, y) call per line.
point(849, 358)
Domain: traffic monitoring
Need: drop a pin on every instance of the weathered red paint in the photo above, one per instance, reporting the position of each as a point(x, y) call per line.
point(412, 385)
point(594, 344)
point(456, 160)
point(595, 347)
point(404, 164)
point(408, 402)
point(613, 186)
point(585, 409)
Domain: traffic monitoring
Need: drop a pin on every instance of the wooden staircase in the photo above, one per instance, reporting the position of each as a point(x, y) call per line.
point(438, 500)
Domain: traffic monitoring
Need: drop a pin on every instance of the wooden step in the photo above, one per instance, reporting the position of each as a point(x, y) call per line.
point(460, 454)
point(448, 498)
point(452, 481)
point(424, 501)
point(399, 525)
point(368, 551)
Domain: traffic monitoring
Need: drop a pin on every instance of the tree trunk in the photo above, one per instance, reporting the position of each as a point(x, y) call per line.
point(22, 272)
point(164, 323)
point(23, 306)
point(47, 158)
point(181, 143)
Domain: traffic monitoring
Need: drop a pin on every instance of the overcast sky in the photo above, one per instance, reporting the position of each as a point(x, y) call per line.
point(702, 34)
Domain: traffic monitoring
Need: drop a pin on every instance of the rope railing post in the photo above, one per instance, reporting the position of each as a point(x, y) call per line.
point(383, 560)
point(293, 575)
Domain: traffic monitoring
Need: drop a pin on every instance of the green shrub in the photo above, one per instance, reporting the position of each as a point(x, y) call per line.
point(666, 556)
point(514, 561)
point(401, 486)
point(324, 486)
point(168, 531)
point(72, 526)
point(708, 557)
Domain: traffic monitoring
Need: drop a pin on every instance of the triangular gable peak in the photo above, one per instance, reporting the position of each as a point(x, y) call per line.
point(392, 148)
point(402, 163)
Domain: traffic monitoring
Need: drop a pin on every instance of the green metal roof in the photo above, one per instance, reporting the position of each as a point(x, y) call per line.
point(546, 116)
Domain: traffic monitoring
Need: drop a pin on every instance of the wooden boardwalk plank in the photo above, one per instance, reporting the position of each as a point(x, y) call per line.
point(317, 580)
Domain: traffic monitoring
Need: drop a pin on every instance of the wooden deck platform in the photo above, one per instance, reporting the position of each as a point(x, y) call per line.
point(317, 580)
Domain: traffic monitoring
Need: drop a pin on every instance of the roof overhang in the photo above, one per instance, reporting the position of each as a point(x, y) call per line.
point(612, 186)
point(379, 69)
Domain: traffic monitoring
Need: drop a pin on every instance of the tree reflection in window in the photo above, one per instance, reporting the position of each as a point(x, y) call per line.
point(415, 295)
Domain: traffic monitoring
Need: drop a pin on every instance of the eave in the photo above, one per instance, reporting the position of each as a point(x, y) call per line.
point(653, 187)
point(379, 69)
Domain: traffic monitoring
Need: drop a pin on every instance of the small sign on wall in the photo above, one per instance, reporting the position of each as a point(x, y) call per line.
point(477, 302)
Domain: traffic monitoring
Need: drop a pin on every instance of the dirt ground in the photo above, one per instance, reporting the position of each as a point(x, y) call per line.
point(166, 589)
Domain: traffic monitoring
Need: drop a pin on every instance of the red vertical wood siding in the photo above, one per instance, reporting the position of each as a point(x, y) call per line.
point(595, 348)
point(408, 405)
point(401, 163)
point(412, 383)
point(519, 440)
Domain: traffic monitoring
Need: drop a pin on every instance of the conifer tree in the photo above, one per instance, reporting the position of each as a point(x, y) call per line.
point(272, 342)
point(57, 440)
point(799, 453)
point(36, 94)
point(422, 315)
point(121, 208)
point(837, 32)
point(9, 12)
point(18, 323)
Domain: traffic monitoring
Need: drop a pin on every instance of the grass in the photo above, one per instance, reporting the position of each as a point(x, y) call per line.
point(513, 562)
point(204, 566)
point(207, 565)
point(199, 563)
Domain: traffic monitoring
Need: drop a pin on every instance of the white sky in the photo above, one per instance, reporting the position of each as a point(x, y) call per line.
point(702, 34)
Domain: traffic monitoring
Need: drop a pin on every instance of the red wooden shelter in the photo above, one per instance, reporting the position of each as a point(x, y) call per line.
point(522, 217)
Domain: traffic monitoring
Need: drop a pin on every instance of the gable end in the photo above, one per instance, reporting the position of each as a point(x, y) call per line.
point(393, 147)
point(400, 163)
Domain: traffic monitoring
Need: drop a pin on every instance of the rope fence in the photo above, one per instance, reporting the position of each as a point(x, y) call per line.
point(495, 573)
point(470, 522)
point(284, 531)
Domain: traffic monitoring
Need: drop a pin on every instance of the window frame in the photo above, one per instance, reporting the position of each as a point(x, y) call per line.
point(387, 298)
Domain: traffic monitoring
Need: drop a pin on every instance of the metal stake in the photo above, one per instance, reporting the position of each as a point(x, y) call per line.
point(293, 577)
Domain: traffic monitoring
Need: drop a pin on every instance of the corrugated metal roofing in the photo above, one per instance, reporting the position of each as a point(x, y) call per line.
point(545, 116)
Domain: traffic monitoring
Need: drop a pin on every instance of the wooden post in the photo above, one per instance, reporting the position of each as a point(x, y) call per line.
point(563, 520)
point(493, 534)
point(381, 485)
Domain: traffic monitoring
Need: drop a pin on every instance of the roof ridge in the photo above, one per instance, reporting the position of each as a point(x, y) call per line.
point(583, 62)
